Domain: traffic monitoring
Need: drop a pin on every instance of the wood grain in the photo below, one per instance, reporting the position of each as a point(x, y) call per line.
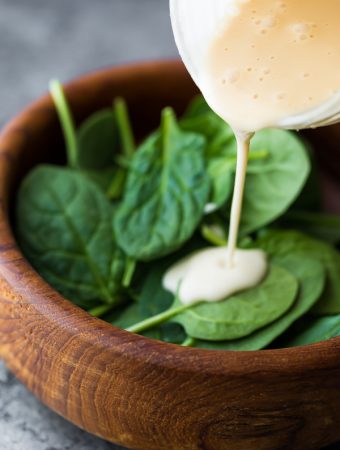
point(137, 392)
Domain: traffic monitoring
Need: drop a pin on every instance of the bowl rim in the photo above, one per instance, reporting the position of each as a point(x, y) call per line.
point(50, 303)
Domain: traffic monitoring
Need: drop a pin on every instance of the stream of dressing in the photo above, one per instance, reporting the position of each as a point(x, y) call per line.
point(270, 61)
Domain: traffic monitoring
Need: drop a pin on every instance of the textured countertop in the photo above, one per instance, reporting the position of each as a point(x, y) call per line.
point(41, 39)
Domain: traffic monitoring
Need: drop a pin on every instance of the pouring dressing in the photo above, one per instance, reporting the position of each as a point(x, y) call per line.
point(259, 64)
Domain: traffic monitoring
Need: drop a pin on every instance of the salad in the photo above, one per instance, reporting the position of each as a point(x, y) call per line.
point(104, 229)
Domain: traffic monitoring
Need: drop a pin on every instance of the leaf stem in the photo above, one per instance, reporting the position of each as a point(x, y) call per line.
point(212, 237)
point(129, 272)
point(168, 118)
point(116, 187)
point(66, 121)
point(100, 310)
point(124, 127)
point(189, 342)
point(158, 319)
point(258, 154)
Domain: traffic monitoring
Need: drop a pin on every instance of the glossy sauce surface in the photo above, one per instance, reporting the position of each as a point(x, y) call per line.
point(271, 60)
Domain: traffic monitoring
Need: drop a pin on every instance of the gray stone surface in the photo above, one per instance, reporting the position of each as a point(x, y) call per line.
point(25, 424)
point(41, 39)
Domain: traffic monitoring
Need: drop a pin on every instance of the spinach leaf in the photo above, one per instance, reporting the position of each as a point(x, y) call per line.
point(310, 196)
point(197, 108)
point(200, 119)
point(153, 298)
point(103, 178)
point(278, 243)
point(102, 139)
point(165, 194)
point(241, 314)
point(221, 171)
point(309, 330)
point(325, 227)
point(280, 157)
point(311, 277)
point(131, 314)
point(98, 141)
point(125, 316)
point(148, 280)
point(273, 183)
point(64, 227)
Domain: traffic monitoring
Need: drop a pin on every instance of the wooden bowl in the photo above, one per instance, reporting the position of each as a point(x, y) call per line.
point(130, 390)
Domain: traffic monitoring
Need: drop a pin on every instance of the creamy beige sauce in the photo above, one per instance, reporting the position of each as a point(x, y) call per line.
point(207, 275)
point(274, 59)
point(271, 63)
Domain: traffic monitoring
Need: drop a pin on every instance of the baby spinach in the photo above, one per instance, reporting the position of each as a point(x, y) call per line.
point(125, 316)
point(278, 243)
point(102, 138)
point(273, 183)
point(325, 227)
point(222, 172)
point(153, 298)
point(165, 195)
point(63, 225)
point(279, 166)
point(178, 184)
point(98, 141)
point(311, 277)
point(95, 146)
point(235, 317)
point(310, 330)
point(103, 178)
point(131, 314)
point(243, 313)
point(200, 119)
point(310, 198)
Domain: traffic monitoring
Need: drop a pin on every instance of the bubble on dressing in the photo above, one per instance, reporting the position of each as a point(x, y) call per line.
point(231, 76)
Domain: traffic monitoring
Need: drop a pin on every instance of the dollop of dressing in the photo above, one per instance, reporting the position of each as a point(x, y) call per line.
point(265, 63)
point(207, 275)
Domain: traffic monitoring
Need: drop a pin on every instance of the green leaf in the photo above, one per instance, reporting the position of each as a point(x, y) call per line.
point(125, 316)
point(279, 166)
point(197, 108)
point(103, 178)
point(241, 314)
point(325, 227)
point(64, 227)
point(153, 298)
point(102, 139)
point(131, 314)
point(310, 330)
point(165, 194)
point(310, 198)
point(311, 277)
point(98, 141)
point(275, 182)
point(279, 243)
point(148, 280)
point(221, 171)
point(200, 119)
